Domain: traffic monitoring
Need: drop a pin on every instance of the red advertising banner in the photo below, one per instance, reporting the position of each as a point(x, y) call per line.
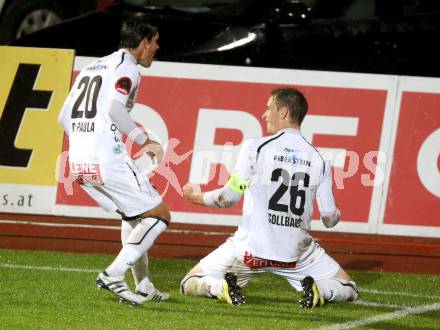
point(414, 188)
point(381, 134)
point(201, 116)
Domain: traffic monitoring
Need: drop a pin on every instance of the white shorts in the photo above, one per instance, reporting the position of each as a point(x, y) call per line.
point(229, 258)
point(125, 189)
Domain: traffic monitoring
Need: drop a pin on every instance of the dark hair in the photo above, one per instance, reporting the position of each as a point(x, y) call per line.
point(294, 100)
point(133, 30)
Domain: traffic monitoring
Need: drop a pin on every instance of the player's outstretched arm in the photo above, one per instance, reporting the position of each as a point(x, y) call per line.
point(231, 193)
point(218, 198)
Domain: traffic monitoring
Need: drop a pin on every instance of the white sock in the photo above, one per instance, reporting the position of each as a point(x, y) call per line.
point(125, 259)
point(137, 243)
point(140, 275)
point(201, 284)
point(337, 290)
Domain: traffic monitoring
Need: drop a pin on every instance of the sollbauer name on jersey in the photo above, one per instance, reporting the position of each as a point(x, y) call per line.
point(281, 220)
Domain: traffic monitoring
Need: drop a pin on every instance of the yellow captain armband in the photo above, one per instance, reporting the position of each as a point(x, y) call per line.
point(237, 184)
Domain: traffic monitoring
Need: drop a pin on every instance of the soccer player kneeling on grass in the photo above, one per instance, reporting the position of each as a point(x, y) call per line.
point(95, 115)
point(280, 176)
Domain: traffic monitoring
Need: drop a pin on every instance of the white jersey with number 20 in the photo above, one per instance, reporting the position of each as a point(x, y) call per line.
point(93, 137)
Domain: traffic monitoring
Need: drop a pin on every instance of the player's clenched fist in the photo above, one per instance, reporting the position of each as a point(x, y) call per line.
point(154, 150)
point(193, 193)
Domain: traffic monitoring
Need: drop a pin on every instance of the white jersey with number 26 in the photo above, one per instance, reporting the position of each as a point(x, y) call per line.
point(285, 174)
point(93, 137)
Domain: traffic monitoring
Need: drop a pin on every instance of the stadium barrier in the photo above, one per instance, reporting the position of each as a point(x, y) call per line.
point(381, 133)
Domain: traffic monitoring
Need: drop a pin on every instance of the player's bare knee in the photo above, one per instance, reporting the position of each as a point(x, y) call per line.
point(197, 269)
point(164, 212)
point(160, 212)
point(348, 285)
point(343, 275)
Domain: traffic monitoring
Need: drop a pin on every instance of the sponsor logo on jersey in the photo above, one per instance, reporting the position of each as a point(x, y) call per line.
point(123, 85)
point(292, 156)
point(96, 67)
point(288, 150)
point(292, 159)
point(117, 149)
point(86, 173)
point(254, 262)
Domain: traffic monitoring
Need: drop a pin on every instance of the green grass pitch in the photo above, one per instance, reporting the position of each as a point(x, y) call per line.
point(44, 290)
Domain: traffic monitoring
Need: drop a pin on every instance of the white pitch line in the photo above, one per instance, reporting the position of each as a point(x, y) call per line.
point(375, 304)
point(55, 269)
point(404, 294)
point(384, 317)
point(79, 270)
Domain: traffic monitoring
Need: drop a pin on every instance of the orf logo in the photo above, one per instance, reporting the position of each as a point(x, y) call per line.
point(123, 85)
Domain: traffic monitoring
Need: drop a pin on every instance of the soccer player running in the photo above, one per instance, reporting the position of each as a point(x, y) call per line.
point(280, 175)
point(95, 115)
